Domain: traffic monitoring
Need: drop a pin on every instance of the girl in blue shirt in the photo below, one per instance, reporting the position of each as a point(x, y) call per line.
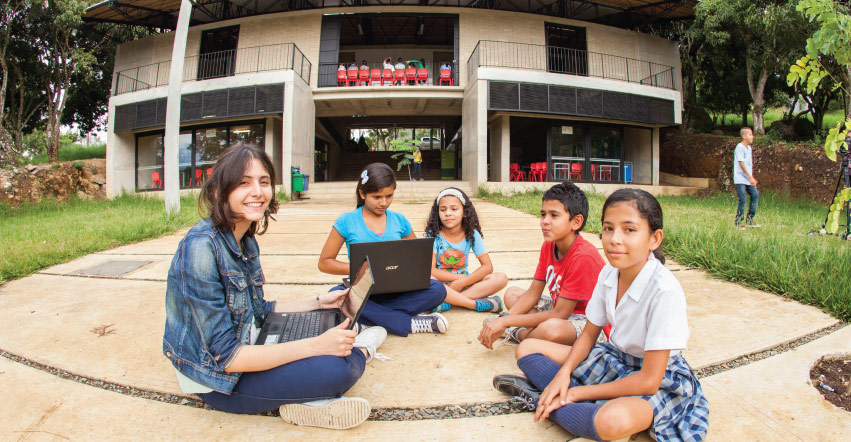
point(454, 224)
point(372, 220)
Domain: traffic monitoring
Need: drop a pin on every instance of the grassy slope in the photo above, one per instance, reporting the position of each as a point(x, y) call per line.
point(780, 257)
point(40, 235)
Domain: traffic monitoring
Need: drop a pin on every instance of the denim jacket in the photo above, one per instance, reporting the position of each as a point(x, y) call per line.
point(208, 316)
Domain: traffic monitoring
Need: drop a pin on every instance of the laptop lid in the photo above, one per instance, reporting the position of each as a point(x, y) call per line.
point(359, 291)
point(398, 266)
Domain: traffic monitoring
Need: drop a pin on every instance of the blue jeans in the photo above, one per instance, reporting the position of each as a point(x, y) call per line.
point(393, 311)
point(319, 377)
point(418, 170)
point(741, 191)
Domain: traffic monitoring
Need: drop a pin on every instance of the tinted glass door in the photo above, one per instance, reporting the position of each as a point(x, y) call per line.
point(567, 49)
point(606, 153)
point(218, 52)
point(567, 152)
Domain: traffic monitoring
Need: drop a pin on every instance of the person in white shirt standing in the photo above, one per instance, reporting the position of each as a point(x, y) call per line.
point(744, 180)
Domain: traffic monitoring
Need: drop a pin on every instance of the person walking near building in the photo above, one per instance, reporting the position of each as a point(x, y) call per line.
point(418, 164)
point(744, 181)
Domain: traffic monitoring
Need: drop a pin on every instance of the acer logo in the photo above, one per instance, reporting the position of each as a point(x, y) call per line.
point(391, 267)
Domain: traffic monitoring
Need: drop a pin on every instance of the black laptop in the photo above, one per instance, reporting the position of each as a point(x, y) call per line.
point(286, 327)
point(398, 266)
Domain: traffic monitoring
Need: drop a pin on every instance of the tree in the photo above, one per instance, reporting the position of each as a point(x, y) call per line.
point(832, 39)
point(770, 31)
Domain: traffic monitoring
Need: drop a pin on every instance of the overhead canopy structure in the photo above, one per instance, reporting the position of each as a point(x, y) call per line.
point(163, 13)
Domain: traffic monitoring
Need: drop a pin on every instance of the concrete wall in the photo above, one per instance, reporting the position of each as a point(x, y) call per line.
point(500, 148)
point(120, 161)
point(638, 143)
point(299, 128)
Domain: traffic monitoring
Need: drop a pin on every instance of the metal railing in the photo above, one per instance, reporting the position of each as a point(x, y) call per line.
point(505, 54)
point(216, 65)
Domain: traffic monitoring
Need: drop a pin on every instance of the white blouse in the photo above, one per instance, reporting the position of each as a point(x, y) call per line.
point(650, 316)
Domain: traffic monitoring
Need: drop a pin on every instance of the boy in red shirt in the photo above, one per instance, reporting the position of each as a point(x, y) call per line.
point(553, 307)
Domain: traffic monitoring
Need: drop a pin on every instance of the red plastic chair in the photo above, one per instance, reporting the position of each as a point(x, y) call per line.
point(376, 77)
point(445, 77)
point(363, 76)
point(341, 78)
point(157, 181)
point(209, 172)
point(400, 76)
point(606, 171)
point(422, 75)
point(575, 171)
point(198, 175)
point(387, 77)
point(542, 170)
point(353, 77)
point(411, 75)
point(515, 174)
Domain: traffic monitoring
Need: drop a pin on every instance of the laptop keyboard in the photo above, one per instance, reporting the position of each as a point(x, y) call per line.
point(301, 326)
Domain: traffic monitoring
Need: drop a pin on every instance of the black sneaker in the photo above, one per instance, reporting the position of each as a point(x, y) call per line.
point(522, 391)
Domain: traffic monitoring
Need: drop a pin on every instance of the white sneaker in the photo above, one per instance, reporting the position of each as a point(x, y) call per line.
point(370, 339)
point(336, 413)
point(429, 323)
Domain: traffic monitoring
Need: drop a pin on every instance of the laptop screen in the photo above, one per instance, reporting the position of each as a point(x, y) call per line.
point(359, 290)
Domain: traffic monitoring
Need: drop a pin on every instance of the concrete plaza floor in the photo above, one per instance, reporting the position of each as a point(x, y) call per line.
point(109, 328)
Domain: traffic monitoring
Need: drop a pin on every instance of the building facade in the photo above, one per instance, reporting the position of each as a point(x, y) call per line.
point(489, 94)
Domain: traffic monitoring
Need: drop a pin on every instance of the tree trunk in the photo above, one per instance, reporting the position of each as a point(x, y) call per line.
point(744, 115)
point(757, 91)
point(845, 73)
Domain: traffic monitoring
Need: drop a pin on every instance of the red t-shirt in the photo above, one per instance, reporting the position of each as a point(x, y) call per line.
point(574, 276)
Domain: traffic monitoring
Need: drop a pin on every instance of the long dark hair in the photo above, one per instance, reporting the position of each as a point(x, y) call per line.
point(470, 221)
point(227, 174)
point(646, 205)
point(378, 176)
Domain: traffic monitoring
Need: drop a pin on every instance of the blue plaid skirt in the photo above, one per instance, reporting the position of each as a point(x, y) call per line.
point(680, 411)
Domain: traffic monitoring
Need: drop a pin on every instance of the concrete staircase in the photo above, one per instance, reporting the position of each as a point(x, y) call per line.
point(405, 190)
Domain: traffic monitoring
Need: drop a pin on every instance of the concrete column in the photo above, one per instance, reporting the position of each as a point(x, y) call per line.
point(171, 159)
point(654, 150)
point(287, 138)
point(475, 134)
point(500, 148)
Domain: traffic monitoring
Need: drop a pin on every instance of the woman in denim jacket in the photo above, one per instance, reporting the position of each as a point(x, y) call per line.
point(215, 308)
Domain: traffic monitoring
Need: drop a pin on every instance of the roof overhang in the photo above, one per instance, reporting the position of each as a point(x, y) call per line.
point(163, 13)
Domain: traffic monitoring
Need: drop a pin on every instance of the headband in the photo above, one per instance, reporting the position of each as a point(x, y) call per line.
point(364, 177)
point(453, 192)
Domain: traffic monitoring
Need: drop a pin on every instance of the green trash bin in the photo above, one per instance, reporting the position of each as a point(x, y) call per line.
point(299, 182)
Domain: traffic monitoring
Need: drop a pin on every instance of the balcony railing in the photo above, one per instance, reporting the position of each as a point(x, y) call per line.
point(216, 65)
point(505, 54)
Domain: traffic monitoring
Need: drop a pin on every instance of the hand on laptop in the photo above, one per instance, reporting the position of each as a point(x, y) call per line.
point(332, 299)
point(336, 341)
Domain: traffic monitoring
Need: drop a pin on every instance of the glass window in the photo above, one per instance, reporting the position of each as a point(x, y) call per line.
point(184, 152)
point(567, 143)
point(198, 151)
point(209, 145)
point(247, 134)
point(149, 158)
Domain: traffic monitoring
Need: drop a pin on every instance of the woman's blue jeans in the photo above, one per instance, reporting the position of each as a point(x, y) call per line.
point(743, 191)
point(319, 377)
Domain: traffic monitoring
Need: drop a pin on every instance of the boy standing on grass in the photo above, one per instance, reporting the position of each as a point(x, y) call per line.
point(567, 268)
point(744, 181)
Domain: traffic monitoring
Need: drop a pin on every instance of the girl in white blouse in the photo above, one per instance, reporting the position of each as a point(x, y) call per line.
point(637, 380)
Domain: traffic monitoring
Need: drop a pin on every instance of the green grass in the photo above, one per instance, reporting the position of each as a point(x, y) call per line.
point(780, 257)
point(74, 152)
point(36, 236)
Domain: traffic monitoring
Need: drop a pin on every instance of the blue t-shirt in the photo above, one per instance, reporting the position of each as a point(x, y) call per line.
point(452, 257)
point(353, 229)
point(742, 154)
